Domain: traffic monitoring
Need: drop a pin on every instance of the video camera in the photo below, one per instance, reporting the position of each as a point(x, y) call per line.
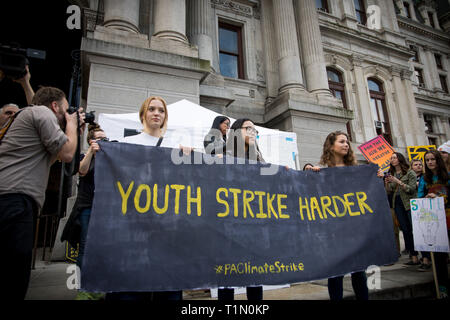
point(13, 60)
point(88, 118)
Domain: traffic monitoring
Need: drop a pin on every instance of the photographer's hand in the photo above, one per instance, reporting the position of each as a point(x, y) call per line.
point(25, 83)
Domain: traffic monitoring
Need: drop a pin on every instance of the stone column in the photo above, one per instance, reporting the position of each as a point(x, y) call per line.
point(170, 20)
point(122, 15)
point(436, 21)
point(431, 69)
point(363, 100)
point(200, 27)
point(417, 123)
point(289, 66)
point(312, 50)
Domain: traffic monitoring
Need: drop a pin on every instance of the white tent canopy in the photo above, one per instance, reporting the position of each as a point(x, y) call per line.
point(189, 123)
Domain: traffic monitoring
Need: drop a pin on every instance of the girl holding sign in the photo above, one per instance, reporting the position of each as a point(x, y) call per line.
point(401, 183)
point(337, 152)
point(435, 183)
point(242, 144)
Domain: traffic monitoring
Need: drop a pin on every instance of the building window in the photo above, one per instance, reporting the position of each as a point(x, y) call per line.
point(419, 77)
point(322, 5)
point(438, 59)
point(428, 119)
point(416, 54)
point(230, 51)
point(378, 107)
point(407, 9)
point(337, 88)
point(443, 80)
point(432, 141)
point(360, 11)
point(430, 17)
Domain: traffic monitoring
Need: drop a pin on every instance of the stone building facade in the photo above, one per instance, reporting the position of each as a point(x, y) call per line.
point(366, 67)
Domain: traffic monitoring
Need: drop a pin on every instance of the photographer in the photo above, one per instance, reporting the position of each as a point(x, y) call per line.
point(36, 138)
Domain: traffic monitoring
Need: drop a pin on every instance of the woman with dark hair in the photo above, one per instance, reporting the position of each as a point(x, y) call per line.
point(215, 140)
point(75, 230)
point(401, 184)
point(242, 141)
point(242, 144)
point(337, 152)
point(435, 183)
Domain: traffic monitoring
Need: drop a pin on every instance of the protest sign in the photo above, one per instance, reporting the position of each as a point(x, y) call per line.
point(377, 151)
point(158, 226)
point(429, 224)
point(418, 152)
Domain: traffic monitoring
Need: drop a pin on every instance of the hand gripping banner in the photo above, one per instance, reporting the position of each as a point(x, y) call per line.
point(158, 226)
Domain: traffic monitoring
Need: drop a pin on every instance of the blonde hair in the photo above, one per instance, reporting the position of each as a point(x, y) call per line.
point(146, 105)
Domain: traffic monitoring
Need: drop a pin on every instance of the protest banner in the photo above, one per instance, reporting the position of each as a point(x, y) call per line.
point(429, 225)
point(158, 226)
point(377, 151)
point(418, 152)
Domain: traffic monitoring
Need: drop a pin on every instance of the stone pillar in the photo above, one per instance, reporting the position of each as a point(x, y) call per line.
point(363, 100)
point(417, 124)
point(401, 122)
point(436, 21)
point(312, 50)
point(170, 20)
point(288, 53)
point(200, 27)
point(412, 11)
point(122, 15)
point(431, 69)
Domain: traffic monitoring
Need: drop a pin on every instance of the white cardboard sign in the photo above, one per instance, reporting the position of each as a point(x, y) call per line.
point(429, 225)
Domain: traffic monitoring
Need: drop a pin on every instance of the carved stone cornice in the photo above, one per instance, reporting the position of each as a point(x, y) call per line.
point(236, 8)
point(92, 18)
point(421, 29)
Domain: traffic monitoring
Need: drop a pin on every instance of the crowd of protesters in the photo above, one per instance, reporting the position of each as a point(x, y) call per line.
point(40, 134)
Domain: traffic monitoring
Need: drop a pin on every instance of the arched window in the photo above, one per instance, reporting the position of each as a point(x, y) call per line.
point(378, 107)
point(337, 88)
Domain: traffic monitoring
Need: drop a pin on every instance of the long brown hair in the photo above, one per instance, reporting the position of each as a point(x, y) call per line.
point(328, 157)
point(402, 162)
point(441, 168)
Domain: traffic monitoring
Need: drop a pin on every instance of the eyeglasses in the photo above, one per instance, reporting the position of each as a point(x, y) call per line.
point(251, 130)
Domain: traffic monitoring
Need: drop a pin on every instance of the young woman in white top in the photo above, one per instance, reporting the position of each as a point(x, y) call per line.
point(337, 152)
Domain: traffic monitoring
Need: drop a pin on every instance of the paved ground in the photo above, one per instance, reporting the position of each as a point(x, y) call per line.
point(49, 282)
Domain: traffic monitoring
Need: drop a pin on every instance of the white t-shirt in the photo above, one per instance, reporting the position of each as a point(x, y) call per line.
point(147, 140)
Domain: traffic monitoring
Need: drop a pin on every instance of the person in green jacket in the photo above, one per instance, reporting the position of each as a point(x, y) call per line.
point(401, 183)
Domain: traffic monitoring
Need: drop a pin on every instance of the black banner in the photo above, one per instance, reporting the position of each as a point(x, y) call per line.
point(156, 225)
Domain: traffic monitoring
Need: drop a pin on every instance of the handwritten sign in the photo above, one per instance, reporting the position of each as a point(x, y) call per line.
point(377, 151)
point(418, 152)
point(429, 224)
